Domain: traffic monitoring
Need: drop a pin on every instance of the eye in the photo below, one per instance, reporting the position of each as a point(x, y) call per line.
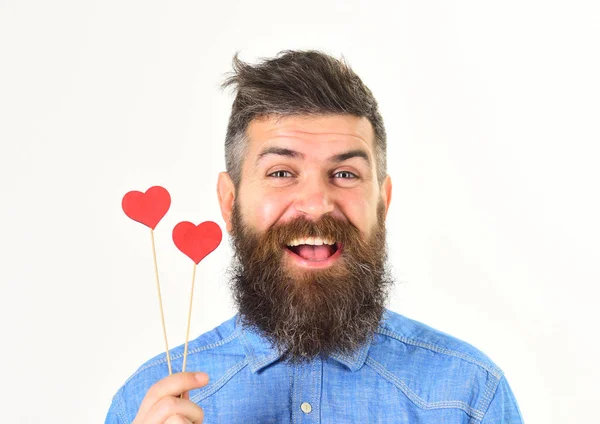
point(279, 174)
point(346, 175)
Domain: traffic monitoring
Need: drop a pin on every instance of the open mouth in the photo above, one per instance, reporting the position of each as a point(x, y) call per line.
point(314, 249)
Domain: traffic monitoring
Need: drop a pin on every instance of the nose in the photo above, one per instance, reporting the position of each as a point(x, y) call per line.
point(314, 198)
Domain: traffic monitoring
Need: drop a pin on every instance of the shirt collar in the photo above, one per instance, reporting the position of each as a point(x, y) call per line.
point(260, 353)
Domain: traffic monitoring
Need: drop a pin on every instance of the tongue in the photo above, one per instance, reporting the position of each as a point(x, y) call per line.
point(314, 253)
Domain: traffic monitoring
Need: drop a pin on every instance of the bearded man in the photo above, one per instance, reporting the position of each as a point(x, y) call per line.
point(304, 199)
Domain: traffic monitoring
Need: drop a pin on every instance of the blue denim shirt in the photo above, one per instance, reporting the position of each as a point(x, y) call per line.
point(409, 373)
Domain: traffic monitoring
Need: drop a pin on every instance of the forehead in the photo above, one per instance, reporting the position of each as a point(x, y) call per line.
point(311, 134)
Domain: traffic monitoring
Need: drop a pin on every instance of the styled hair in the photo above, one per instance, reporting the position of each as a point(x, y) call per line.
point(296, 83)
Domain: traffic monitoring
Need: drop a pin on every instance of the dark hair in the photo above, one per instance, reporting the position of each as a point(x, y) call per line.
point(296, 83)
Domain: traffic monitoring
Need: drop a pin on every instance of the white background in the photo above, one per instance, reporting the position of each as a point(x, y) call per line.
point(492, 114)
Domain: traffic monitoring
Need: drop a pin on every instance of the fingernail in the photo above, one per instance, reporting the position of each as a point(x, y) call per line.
point(201, 377)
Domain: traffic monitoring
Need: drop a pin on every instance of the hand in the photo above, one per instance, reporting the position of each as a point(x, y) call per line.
point(162, 404)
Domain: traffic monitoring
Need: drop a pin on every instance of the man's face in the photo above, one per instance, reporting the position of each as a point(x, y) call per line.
point(316, 180)
point(308, 231)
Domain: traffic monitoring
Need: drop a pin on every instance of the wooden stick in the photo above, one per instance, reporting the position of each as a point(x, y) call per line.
point(187, 334)
point(162, 315)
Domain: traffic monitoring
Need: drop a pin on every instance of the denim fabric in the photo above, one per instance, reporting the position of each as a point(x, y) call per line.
point(409, 373)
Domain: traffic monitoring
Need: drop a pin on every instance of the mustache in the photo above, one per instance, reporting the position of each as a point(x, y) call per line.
point(279, 235)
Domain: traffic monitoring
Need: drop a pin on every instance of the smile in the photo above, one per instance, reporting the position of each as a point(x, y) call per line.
point(314, 252)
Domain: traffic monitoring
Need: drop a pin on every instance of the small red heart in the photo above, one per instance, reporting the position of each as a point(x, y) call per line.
point(197, 241)
point(147, 208)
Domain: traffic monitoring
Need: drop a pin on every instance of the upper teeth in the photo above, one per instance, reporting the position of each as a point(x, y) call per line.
point(315, 241)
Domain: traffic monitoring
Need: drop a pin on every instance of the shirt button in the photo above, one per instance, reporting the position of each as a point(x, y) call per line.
point(306, 408)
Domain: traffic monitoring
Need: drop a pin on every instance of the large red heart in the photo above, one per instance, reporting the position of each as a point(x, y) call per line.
point(147, 208)
point(197, 241)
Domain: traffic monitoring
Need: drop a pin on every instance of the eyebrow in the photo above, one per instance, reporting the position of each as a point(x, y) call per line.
point(360, 153)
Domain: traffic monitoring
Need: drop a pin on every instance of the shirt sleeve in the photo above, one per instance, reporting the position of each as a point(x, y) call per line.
point(503, 408)
point(115, 413)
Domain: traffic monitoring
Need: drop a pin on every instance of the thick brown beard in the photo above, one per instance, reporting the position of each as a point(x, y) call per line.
point(305, 313)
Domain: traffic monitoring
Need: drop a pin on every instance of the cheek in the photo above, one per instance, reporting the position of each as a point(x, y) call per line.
point(360, 212)
point(265, 211)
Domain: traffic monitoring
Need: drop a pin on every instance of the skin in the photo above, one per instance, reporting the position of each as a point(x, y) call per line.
point(276, 188)
point(162, 404)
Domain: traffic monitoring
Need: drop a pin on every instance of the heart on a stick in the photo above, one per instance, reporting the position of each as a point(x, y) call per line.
point(147, 208)
point(197, 241)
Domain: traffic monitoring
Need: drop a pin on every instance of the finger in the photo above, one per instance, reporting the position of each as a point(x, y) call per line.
point(173, 385)
point(170, 406)
point(178, 419)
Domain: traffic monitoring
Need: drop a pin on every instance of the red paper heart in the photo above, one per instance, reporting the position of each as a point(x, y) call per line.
point(197, 241)
point(147, 208)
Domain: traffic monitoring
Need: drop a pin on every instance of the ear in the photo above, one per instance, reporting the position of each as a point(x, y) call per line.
point(386, 192)
point(226, 194)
